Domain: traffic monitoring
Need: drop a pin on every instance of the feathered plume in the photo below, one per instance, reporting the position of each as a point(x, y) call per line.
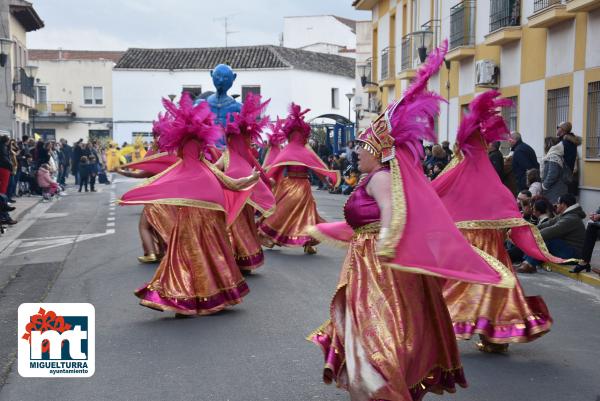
point(412, 118)
point(247, 121)
point(484, 117)
point(186, 121)
point(277, 136)
point(295, 121)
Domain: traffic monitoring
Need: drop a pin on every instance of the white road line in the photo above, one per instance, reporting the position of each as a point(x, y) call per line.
point(110, 218)
point(112, 224)
point(11, 235)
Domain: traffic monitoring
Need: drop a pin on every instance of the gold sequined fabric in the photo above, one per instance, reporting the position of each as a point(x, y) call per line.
point(502, 315)
point(243, 234)
point(401, 322)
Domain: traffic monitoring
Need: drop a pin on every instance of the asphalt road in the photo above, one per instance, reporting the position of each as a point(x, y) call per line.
point(80, 250)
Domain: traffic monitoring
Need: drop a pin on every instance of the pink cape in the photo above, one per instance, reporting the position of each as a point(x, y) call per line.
point(427, 241)
point(188, 182)
point(299, 154)
point(240, 164)
point(476, 198)
point(153, 162)
point(272, 152)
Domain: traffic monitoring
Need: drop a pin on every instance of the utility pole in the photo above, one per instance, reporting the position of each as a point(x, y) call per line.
point(225, 20)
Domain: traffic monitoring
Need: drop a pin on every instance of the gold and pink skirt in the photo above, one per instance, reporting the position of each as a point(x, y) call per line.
point(389, 336)
point(161, 218)
point(295, 210)
point(243, 234)
point(501, 315)
point(198, 275)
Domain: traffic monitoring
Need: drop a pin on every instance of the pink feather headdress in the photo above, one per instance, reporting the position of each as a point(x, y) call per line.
point(248, 121)
point(412, 118)
point(295, 121)
point(409, 120)
point(277, 136)
point(484, 117)
point(186, 121)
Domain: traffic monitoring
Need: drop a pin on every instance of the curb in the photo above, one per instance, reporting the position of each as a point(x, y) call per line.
point(588, 278)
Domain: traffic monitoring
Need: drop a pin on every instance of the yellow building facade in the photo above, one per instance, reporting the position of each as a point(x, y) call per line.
point(543, 54)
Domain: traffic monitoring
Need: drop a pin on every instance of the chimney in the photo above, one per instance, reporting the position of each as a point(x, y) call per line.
point(60, 53)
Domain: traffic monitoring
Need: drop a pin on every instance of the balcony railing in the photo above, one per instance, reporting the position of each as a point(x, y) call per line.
point(539, 5)
point(54, 108)
point(24, 84)
point(504, 13)
point(387, 63)
point(426, 39)
point(462, 24)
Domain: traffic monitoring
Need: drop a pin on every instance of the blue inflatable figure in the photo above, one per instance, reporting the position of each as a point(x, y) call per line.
point(221, 103)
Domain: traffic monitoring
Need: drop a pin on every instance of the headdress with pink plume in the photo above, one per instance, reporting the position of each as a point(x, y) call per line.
point(295, 121)
point(186, 121)
point(484, 117)
point(277, 136)
point(248, 121)
point(412, 118)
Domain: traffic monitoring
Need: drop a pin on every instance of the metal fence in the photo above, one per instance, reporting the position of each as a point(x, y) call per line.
point(25, 84)
point(592, 142)
point(539, 5)
point(557, 109)
point(387, 63)
point(462, 24)
point(504, 13)
point(511, 114)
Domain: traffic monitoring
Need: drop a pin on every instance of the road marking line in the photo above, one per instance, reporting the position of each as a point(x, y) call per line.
point(110, 224)
point(110, 218)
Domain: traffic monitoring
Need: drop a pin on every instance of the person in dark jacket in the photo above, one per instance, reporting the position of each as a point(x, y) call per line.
point(523, 159)
point(84, 173)
point(64, 156)
point(592, 233)
point(570, 143)
point(446, 147)
point(75, 159)
point(564, 234)
point(496, 158)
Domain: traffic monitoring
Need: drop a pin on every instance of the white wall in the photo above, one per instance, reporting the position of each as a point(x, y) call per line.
point(560, 53)
point(328, 48)
point(527, 8)
point(65, 80)
point(383, 39)
point(137, 94)
point(510, 64)
point(303, 31)
point(466, 77)
point(482, 20)
point(592, 51)
point(531, 115)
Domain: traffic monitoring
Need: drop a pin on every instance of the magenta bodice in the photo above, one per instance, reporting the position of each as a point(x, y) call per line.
point(361, 208)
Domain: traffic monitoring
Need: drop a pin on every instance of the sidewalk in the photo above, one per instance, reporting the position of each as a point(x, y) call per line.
point(588, 278)
point(23, 205)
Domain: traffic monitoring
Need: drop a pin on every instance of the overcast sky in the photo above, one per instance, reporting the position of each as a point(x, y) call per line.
point(119, 24)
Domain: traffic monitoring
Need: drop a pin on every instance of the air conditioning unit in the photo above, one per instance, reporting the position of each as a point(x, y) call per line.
point(486, 73)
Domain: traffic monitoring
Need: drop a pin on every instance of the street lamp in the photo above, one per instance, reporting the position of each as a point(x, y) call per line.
point(5, 45)
point(349, 96)
point(31, 71)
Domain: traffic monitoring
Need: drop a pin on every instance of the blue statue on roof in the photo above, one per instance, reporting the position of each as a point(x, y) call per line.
point(221, 103)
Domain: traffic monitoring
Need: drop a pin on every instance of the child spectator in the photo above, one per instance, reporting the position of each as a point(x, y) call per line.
point(93, 172)
point(350, 182)
point(84, 173)
point(46, 182)
point(534, 181)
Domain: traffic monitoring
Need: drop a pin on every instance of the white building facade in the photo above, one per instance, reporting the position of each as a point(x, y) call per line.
point(320, 33)
point(74, 93)
point(144, 76)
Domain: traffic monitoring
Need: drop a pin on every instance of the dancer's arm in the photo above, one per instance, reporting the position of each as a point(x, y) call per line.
point(235, 184)
point(379, 187)
point(134, 174)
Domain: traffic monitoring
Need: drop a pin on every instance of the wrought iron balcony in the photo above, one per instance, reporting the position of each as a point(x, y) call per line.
point(539, 5)
point(387, 63)
point(504, 13)
point(462, 24)
point(23, 84)
point(422, 41)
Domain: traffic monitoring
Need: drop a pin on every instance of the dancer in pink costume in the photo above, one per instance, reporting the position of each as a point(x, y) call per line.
point(296, 207)
point(243, 131)
point(486, 213)
point(198, 275)
point(390, 336)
